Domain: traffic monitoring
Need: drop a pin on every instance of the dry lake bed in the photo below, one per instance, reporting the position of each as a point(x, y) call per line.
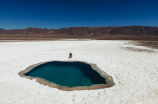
point(133, 68)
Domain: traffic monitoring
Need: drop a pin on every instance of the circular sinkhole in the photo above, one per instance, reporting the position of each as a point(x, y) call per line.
point(68, 75)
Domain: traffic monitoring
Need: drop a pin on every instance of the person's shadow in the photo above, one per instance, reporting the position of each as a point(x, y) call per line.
point(70, 63)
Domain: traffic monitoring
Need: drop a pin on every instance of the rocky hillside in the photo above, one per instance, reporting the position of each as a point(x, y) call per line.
point(97, 31)
point(88, 31)
point(27, 31)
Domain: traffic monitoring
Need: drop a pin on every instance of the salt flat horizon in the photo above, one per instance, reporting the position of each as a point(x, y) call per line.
point(134, 73)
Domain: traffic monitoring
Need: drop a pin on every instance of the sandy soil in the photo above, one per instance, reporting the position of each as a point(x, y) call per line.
point(135, 72)
point(151, 44)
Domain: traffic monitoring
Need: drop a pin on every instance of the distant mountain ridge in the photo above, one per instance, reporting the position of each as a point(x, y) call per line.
point(88, 31)
point(29, 30)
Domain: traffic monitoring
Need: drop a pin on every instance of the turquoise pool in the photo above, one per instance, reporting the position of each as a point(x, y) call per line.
point(71, 74)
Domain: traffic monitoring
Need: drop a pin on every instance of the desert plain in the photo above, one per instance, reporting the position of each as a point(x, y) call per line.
point(133, 67)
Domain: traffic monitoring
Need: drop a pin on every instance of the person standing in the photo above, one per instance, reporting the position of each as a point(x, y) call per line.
point(70, 55)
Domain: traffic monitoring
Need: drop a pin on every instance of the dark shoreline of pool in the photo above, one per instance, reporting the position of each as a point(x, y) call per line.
point(108, 78)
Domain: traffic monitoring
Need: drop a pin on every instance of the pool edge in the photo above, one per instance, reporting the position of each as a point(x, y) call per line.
point(109, 79)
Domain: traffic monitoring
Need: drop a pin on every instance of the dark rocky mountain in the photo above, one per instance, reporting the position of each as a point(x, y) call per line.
point(97, 31)
point(88, 31)
point(29, 30)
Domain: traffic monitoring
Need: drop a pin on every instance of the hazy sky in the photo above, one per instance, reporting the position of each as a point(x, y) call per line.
point(19, 14)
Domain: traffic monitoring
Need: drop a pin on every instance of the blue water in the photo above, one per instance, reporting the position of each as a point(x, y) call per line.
point(69, 74)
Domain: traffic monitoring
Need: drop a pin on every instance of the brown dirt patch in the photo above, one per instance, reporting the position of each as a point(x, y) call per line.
point(150, 44)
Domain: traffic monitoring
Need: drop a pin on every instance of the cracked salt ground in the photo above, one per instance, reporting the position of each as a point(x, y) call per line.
point(135, 74)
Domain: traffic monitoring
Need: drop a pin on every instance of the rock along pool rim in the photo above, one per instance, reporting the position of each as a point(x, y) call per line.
point(107, 77)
